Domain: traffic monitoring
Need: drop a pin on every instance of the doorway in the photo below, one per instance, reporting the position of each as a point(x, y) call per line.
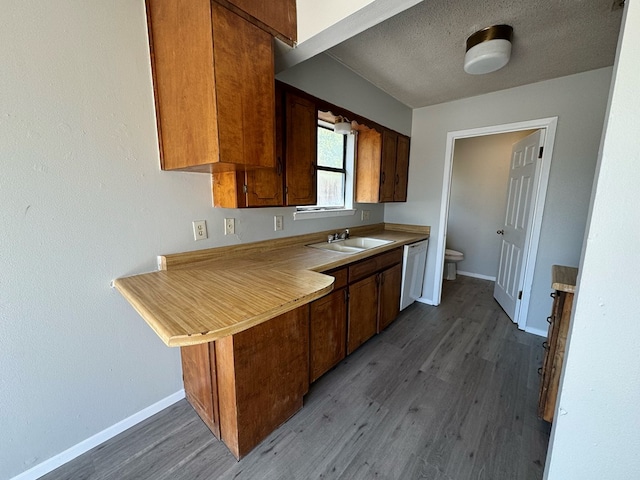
point(548, 126)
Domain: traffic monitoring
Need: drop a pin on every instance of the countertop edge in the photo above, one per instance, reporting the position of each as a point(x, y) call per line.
point(142, 303)
point(564, 278)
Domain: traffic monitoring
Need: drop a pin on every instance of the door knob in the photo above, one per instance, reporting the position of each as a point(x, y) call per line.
point(500, 232)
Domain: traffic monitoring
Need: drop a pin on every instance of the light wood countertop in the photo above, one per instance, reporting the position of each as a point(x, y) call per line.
point(564, 278)
point(208, 294)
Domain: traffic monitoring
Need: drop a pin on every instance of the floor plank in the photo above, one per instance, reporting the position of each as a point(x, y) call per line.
point(444, 393)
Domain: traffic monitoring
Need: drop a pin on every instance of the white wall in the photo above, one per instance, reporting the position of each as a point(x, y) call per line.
point(314, 16)
point(477, 204)
point(579, 101)
point(83, 201)
point(596, 432)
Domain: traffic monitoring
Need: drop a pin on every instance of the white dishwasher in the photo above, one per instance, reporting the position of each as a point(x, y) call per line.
point(414, 261)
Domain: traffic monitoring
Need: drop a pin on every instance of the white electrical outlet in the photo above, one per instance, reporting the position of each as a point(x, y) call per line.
point(199, 229)
point(229, 226)
point(278, 223)
point(366, 214)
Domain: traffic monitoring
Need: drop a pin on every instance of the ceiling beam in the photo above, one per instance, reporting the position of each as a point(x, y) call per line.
point(344, 22)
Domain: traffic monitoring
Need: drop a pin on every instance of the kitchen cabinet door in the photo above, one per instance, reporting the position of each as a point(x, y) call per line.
point(388, 169)
point(382, 166)
point(213, 76)
point(390, 284)
point(363, 312)
point(328, 332)
point(263, 374)
point(276, 16)
point(301, 119)
point(402, 169)
point(260, 187)
point(200, 383)
point(368, 165)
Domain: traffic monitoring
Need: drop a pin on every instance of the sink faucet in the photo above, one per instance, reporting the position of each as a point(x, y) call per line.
point(334, 237)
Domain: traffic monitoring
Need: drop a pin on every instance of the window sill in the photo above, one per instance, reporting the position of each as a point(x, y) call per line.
point(312, 214)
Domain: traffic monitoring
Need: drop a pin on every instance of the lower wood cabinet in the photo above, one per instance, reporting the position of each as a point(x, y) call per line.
point(245, 385)
point(261, 374)
point(390, 283)
point(327, 333)
point(363, 312)
point(564, 281)
point(374, 296)
point(554, 354)
point(200, 383)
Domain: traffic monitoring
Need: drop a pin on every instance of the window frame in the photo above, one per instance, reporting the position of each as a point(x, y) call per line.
point(343, 171)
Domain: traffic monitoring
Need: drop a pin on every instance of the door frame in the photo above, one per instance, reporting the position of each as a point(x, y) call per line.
point(548, 125)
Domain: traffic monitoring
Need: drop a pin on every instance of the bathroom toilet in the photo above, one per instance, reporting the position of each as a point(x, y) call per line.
point(451, 257)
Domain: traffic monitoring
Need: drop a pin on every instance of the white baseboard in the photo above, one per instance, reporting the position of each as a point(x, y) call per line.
point(476, 275)
point(536, 331)
point(100, 437)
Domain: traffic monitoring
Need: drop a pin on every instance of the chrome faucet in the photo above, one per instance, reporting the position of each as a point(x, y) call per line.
point(334, 237)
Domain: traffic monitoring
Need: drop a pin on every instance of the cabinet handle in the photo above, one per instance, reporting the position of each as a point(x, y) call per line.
point(540, 371)
point(549, 321)
point(346, 296)
point(397, 179)
point(545, 345)
point(552, 294)
point(279, 166)
point(313, 170)
point(383, 176)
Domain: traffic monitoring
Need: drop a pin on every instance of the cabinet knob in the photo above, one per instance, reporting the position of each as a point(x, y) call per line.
point(545, 345)
point(549, 320)
point(500, 232)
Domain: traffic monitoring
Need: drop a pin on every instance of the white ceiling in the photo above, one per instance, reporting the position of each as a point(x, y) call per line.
point(416, 56)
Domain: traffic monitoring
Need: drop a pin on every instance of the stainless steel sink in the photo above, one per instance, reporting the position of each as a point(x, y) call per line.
point(351, 245)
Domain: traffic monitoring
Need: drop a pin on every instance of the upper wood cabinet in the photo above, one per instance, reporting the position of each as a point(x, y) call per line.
point(213, 83)
point(277, 17)
point(301, 144)
point(382, 166)
point(262, 187)
point(402, 169)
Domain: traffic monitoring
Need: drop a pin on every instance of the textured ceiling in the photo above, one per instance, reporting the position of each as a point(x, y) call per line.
point(417, 55)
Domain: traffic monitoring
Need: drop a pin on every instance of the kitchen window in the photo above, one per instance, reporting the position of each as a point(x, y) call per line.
point(331, 171)
point(334, 175)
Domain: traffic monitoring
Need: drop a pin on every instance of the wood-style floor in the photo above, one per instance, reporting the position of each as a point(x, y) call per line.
point(446, 393)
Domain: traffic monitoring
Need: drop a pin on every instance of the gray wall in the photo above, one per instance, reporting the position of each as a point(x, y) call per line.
point(83, 201)
point(596, 432)
point(579, 101)
point(323, 77)
point(477, 201)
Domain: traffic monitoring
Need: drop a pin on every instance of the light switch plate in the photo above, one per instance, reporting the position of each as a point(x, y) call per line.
point(366, 214)
point(199, 230)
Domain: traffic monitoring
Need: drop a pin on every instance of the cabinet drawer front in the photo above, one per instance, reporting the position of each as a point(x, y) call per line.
point(363, 269)
point(390, 258)
point(340, 275)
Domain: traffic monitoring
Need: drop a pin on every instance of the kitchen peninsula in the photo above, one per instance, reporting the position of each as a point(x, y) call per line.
point(244, 319)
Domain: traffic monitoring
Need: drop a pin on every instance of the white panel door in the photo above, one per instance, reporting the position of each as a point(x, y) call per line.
point(517, 223)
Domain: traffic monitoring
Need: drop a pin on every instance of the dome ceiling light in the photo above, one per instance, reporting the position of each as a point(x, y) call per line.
point(488, 49)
